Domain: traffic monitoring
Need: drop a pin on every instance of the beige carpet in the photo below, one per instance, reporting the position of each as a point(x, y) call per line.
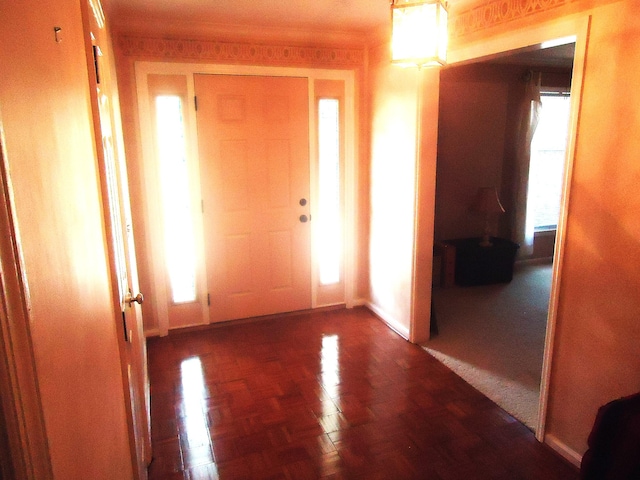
point(493, 337)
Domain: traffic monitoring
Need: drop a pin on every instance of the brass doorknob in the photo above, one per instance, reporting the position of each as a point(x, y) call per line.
point(139, 298)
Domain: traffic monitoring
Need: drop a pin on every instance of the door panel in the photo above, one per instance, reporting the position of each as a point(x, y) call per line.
point(124, 269)
point(118, 223)
point(254, 163)
point(280, 260)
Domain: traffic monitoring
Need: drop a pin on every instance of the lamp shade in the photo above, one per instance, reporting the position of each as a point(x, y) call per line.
point(486, 201)
point(419, 32)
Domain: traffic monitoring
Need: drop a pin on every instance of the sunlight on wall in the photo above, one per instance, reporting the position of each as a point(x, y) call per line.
point(393, 176)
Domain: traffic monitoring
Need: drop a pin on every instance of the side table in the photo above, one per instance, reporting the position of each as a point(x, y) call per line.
point(478, 265)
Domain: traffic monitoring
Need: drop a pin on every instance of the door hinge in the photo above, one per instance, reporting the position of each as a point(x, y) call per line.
point(96, 64)
point(195, 102)
point(208, 300)
point(124, 326)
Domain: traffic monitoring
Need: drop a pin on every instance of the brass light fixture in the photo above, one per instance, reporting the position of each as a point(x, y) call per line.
point(419, 32)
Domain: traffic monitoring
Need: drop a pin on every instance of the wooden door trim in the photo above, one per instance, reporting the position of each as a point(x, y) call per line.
point(144, 68)
point(151, 192)
point(22, 408)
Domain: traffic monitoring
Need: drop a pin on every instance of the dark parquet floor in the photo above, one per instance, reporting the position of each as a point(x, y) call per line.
point(326, 395)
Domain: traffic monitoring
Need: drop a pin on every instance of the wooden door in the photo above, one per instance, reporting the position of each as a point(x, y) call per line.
point(129, 297)
point(254, 166)
point(117, 213)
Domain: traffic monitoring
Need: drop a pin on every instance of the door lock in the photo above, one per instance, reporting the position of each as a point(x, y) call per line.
point(139, 298)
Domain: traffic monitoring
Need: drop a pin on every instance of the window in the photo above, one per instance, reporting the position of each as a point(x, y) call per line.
point(176, 209)
point(547, 161)
point(329, 217)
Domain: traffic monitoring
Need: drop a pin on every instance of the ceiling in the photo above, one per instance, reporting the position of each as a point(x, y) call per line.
point(360, 16)
point(536, 56)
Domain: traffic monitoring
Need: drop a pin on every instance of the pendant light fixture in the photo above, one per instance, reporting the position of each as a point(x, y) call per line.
point(419, 33)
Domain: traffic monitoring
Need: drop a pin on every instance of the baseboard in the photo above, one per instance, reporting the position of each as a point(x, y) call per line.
point(534, 261)
point(389, 320)
point(155, 332)
point(358, 302)
point(563, 450)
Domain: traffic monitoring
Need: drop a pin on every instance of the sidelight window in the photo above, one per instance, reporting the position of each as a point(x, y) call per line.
point(329, 213)
point(176, 207)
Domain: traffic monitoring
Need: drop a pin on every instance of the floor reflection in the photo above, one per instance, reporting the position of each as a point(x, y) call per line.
point(325, 395)
point(195, 439)
point(330, 364)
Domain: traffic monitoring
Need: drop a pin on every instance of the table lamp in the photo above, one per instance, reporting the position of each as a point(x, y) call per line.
point(487, 203)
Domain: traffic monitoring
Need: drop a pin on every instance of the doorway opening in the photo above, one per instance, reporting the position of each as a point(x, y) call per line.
point(495, 335)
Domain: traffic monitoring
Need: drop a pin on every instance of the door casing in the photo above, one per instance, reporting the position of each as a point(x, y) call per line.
point(159, 292)
point(576, 29)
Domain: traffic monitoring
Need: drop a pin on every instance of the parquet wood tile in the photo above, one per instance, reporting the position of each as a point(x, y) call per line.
point(326, 395)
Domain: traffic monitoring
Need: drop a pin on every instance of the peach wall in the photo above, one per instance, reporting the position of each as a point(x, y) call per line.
point(394, 94)
point(596, 356)
point(46, 118)
point(401, 199)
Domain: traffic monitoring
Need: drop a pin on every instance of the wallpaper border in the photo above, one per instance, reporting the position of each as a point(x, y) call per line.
point(498, 12)
point(238, 52)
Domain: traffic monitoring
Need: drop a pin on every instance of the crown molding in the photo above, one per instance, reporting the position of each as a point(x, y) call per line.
point(239, 52)
point(497, 12)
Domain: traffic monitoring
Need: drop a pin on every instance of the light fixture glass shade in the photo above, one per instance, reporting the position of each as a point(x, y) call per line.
point(419, 33)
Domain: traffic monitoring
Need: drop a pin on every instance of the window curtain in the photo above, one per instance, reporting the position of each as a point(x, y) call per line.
point(529, 114)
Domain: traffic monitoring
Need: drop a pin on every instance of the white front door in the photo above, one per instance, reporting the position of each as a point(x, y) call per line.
point(253, 147)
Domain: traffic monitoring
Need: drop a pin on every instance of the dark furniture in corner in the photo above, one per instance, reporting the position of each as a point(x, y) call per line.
point(478, 265)
point(614, 442)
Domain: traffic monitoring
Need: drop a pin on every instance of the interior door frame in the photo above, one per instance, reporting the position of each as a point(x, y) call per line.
point(571, 29)
point(159, 293)
point(21, 408)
